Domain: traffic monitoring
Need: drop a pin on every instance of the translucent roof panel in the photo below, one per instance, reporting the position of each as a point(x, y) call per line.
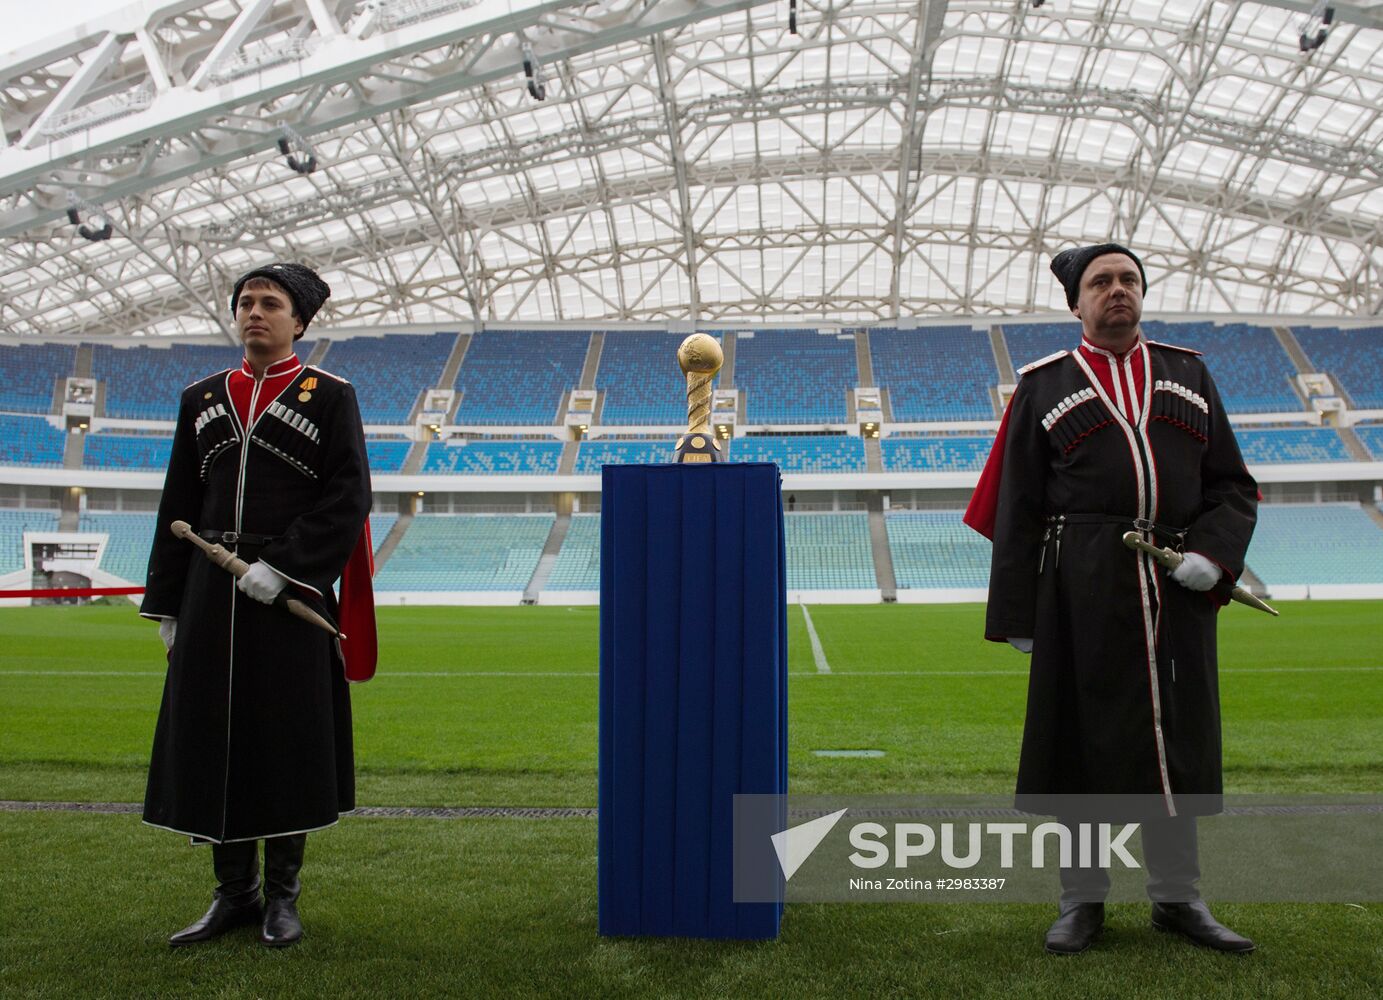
point(689, 161)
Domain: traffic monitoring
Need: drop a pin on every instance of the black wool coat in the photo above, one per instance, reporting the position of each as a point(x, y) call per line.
point(1123, 693)
point(254, 732)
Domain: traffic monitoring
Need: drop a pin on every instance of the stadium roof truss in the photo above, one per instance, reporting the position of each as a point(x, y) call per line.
point(688, 160)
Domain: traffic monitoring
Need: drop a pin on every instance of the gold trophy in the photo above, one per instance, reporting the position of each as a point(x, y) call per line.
point(700, 357)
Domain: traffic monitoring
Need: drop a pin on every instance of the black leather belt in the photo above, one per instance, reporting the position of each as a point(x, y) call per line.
point(235, 538)
point(1135, 523)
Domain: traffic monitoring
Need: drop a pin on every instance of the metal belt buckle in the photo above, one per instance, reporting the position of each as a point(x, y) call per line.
point(1143, 524)
point(230, 537)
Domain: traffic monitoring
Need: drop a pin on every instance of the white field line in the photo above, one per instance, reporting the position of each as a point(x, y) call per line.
point(592, 673)
point(818, 654)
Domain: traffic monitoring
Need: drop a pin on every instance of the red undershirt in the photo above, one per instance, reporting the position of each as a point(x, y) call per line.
point(277, 377)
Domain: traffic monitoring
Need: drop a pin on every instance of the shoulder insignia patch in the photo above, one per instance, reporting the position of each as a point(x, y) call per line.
point(1175, 347)
point(323, 371)
point(1042, 361)
point(208, 378)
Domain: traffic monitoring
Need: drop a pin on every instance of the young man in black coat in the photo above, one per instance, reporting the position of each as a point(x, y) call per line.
point(253, 740)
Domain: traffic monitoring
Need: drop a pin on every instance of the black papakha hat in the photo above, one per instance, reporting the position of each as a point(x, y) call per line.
point(1070, 264)
point(302, 284)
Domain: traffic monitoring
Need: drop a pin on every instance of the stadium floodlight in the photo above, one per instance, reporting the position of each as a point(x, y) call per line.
point(1317, 26)
point(290, 140)
point(792, 17)
point(533, 72)
point(99, 233)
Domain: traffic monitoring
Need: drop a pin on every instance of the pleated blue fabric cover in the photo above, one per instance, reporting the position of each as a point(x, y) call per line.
point(693, 690)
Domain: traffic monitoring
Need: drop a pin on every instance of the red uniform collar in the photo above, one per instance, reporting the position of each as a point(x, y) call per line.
point(281, 367)
point(1092, 352)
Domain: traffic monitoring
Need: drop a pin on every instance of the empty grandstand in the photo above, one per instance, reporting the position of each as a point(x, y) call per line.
point(129, 536)
point(519, 376)
point(389, 372)
point(801, 453)
point(795, 376)
point(144, 383)
point(1315, 544)
point(935, 373)
point(578, 564)
point(126, 451)
point(933, 550)
point(591, 455)
point(934, 453)
point(829, 551)
point(31, 375)
point(13, 526)
point(469, 553)
point(640, 379)
point(1353, 356)
point(29, 441)
point(493, 458)
point(1291, 444)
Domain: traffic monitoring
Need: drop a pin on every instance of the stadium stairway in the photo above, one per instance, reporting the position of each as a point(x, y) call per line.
point(863, 361)
point(727, 370)
point(878, 543)
point(386, 548)
point(73, 449)
point(873, 455)
point(1374, 513)
point(1290, 344)
point(449, 370)
point(593, 352)
point(1002, 359)
point(319, 351)
point(551, 548)
point(566, 465)
point(1353, 445)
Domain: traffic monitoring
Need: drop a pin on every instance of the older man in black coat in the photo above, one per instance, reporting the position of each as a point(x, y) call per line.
point(1119, 434)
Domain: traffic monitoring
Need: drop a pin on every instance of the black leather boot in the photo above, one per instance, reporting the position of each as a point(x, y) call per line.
point(1194, 921)
point(236, 899)
point(1076, 928)
point(283, 859)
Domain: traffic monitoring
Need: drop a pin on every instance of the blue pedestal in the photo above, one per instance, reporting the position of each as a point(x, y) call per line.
point(693, 690)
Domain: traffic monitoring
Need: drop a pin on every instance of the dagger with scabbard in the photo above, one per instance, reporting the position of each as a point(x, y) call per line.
point(1169, 559)
point(237, 568)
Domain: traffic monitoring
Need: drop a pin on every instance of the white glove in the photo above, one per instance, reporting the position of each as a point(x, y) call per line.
point(1196, 572)
point(1022, 645)
point(167, 629)
point(261, 583)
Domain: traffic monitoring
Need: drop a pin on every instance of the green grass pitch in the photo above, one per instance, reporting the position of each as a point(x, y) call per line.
point(497, 706)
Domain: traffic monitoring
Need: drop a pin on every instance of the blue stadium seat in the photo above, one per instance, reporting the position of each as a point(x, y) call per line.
point(802, 453)
point(493, 458)
point(105, 450)
point(519, 376)
point(386, 455)
point(466, 552)
point(795, 376)
point(1250, 368)
point(934, 454)
point(29, 441)
point(1354, 357)
point(380, 526)
point(578, 564)
point(1315, 544)
point(146, 383)
point(641, 380)
point(935, 372)
point(13, 524)
point(829, 551)
point(31, 373)
point(1291, 444)
point(591, 455)
point(1372, 436)
point(389, 372)
point(131, 536)
point(933, 549)
point(1029, 341)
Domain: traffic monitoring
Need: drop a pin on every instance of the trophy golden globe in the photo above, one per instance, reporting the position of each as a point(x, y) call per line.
point(700, 357)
